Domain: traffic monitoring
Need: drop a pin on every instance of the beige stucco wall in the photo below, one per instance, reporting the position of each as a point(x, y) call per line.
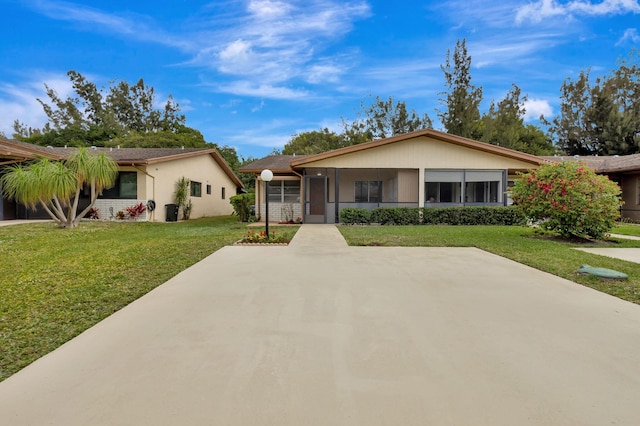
point(422, 152)
point(630, 188)
point(408, 186)
point(159, 184)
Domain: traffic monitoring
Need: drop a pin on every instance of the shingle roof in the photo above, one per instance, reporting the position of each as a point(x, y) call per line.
point(24, 151)
point(605, 164)
point(275, 163)
point(141, 155)
point(122, 156)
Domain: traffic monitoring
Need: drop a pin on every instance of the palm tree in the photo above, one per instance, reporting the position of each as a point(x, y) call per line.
point(52, 184)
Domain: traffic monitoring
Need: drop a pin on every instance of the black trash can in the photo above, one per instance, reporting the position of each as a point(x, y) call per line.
point(172, 212)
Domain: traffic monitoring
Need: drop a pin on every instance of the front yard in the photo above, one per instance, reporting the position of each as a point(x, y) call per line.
point(521, 244)
point(56, 283)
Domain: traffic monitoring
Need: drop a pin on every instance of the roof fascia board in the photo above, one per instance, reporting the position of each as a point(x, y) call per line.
point(444, 137)
point(26, 150)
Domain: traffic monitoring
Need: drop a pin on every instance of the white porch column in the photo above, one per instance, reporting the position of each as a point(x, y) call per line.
point(421, 187)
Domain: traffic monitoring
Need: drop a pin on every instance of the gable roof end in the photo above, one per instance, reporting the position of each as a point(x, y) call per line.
point(25, 151)
point(275, 163)
point(21, 151)
point(434, 134)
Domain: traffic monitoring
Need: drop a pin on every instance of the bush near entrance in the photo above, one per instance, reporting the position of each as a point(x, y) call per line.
point(242, 204)
point(433, 216)
point(568, 198)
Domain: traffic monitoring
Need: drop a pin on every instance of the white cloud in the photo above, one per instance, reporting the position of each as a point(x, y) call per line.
point(543, 9)
point(534, 108)
point(268, 43)
point(268, 9)
point(237, 57)
point(258, 107)
point(92, 19)
point(274, 42)
point(19, 101)
point(475, 13)
point(630, 34)
point(248, 88)
point(74, 12)
point(185, 104)
point(324, 73)
point(269, 134)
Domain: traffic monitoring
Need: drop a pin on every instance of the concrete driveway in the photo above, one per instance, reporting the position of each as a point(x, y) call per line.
point(318, 333)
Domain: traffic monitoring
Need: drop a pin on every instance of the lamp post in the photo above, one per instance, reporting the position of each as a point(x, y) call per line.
point(266, 176)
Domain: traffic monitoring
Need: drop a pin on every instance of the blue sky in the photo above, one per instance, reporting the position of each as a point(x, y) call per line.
point(252, 73)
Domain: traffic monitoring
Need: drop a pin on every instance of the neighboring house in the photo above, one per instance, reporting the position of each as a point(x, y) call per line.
point(426, 168)
point(145, 174)
point(622, 169)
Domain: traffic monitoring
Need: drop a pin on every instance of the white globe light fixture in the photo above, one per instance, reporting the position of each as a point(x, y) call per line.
point(266, 177)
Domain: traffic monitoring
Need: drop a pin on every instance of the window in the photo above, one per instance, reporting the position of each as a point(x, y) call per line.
point(464, 186)
point(368, 191)
point(284, 191)
point(224, 193)
point(209, 190)
point(443, 186)
point(483, 186)
point(481, 192)
point(443, 192)
point(196, 189)
point(126, 187)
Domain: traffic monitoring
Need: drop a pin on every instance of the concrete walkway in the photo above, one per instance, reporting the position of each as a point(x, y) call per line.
point(319, 333)
point(628, 254)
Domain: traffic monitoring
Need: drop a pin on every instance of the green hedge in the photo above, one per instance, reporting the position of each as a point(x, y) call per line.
point(473, 216)
point(433, 216)
point(353, 216)
point(396, 216)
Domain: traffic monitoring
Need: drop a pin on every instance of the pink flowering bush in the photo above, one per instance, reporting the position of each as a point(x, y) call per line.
point(568, 198)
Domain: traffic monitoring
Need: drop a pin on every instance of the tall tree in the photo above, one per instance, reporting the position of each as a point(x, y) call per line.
point(235, 161)
point(503, 125)
point(462, 99)
point(57, 185)
point(383, 119)
point(379, 119)
point(570, 127)
point(601, 117)
point(183, 137)
point(94, 116)
point(314, 142)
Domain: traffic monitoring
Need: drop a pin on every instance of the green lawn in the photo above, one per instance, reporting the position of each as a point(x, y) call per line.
point(627, 229)
point(56, 283)
point(518, 243)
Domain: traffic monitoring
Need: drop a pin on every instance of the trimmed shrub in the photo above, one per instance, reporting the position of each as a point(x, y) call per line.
point(355, 216)
point(568, 198)
point(434, 216)
point(396, 216)
point(242, 204)
point(473, 216)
